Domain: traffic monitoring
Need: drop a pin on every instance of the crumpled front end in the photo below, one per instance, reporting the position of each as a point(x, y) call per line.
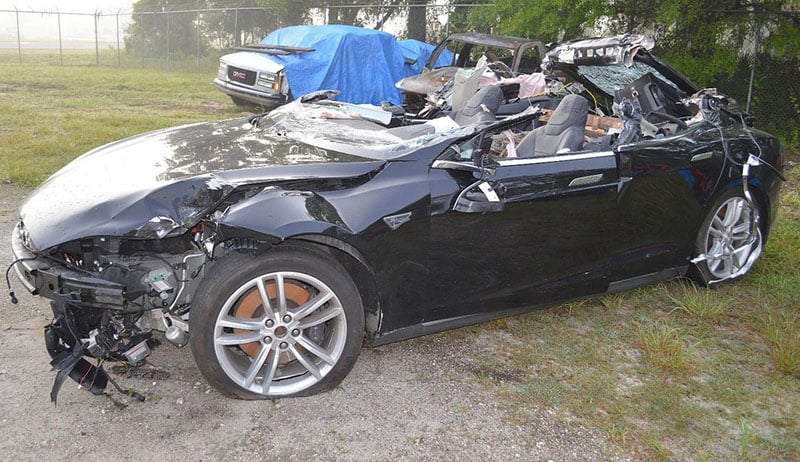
point(120, 238)
point(103, 294)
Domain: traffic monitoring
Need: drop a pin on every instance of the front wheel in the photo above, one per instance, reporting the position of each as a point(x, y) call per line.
point(730, 240)
point(287, 323)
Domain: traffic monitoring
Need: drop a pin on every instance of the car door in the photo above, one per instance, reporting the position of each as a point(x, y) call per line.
point(665, 184)
point(520, 232)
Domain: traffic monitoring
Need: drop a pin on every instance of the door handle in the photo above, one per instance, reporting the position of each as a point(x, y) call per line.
point(586, 180)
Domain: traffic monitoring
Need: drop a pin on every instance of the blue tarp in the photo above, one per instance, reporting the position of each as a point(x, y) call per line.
point(421, 51)
point(363, 64)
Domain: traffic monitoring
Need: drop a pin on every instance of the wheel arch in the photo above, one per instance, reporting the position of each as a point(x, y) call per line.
point(756, 187)
point(359, 269)
point(728, 245)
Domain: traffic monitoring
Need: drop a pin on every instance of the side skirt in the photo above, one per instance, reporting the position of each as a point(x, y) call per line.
point(431, 327)
point(646, 279)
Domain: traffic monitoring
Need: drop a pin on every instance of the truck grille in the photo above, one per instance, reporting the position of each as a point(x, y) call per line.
point(242, 75)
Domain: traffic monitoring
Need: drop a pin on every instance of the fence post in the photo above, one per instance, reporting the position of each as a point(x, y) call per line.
point(96, 42)
point(447, 24)
point(60, 49)
point(141, 34)
point(236, 26)
point(197, 25)
point(119, 59)
point(756, 46)
point(19, 39)
point(169, 57)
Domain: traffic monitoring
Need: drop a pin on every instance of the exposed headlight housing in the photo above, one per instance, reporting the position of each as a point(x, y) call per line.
point(25, 238)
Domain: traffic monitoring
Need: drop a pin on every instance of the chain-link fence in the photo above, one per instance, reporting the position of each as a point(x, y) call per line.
point(186, 38)
point(195, 38)
point(181, 38)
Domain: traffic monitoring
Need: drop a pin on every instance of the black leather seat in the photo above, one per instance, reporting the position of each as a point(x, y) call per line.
point(562, 133)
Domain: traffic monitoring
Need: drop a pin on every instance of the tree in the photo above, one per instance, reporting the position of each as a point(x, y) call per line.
point(366, 13)
point(417, 20)
point(164, 27)
point(703, 38)
point(247, 22)
point(548, 21)
point(289, 12)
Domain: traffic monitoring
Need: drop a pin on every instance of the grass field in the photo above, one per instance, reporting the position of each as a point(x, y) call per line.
point(672, 371)
point(51, 114)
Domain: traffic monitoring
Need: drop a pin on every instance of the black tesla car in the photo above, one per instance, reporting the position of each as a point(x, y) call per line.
point(277, 246)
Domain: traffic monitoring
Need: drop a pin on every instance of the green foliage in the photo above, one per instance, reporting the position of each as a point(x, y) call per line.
point(289, 12)
point(248, 23)
point(174, 27)
point(549, 21)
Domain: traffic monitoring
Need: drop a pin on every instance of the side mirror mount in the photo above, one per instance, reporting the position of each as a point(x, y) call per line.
point(463, 166)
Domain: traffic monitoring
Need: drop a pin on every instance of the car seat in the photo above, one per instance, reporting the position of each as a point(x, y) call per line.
point(562, 133)
point(481, 108)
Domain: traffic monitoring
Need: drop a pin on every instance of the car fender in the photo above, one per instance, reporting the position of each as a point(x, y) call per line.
point(282, 213)
point(292, 217)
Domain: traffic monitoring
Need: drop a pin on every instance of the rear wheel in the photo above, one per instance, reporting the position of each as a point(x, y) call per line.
point(288, 323)
point(730, 240)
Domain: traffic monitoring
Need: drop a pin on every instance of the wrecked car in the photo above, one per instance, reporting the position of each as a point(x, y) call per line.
point(277, 246)
point(505, 56)
point(363, 64)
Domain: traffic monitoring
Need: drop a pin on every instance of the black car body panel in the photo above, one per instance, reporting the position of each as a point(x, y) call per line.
point(435, 231)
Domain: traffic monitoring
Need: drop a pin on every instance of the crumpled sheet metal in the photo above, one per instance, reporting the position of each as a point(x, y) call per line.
point(620, 49)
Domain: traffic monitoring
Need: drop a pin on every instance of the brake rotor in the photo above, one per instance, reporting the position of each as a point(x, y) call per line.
point(251, 303)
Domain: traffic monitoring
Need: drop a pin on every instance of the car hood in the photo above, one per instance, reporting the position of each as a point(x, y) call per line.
point(163, 182)
point(428, 80)
point(252, 61)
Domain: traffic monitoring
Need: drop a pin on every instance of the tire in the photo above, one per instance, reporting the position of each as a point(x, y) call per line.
point(730, 240)
point(303, 346)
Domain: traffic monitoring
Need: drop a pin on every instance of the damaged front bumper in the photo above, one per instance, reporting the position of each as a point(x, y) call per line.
point(100, 318)
point(50, 280)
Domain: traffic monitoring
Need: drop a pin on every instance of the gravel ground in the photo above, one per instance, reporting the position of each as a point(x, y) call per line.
point(412, 400)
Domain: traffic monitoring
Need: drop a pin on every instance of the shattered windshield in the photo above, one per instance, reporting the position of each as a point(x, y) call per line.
point(344, 129)
point(610, 78)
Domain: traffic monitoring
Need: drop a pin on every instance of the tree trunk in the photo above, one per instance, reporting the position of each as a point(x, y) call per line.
point(417, 19)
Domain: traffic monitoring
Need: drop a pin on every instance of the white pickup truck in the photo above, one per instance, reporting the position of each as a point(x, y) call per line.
point(362, 64)
point(251, 78)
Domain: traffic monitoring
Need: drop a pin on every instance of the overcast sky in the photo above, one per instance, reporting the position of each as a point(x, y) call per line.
point(78, 6)
point(77, 31)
